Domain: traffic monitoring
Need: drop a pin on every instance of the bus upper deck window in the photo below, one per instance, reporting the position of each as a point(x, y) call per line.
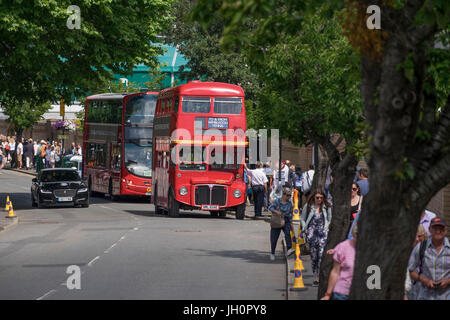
point(227, 105)
point(196, 105)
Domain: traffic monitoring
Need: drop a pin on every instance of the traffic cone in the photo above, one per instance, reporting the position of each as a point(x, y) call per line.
point(301, 240)
point(7, 204)
point(11, 211)
point(298, 274)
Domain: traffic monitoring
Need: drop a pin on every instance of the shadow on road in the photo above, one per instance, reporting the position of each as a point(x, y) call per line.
point(251, 256)
point(183, 215)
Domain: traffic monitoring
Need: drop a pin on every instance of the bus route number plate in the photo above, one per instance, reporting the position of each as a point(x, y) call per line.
point(210, 207)
point(218, 123)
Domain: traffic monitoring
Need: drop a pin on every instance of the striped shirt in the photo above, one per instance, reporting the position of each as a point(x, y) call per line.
point(435, 267)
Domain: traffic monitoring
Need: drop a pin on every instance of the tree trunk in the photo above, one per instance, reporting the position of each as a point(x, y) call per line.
point(343, 173)
point(320, 172)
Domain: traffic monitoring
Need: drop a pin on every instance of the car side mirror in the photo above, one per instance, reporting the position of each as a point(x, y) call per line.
point(34, 180)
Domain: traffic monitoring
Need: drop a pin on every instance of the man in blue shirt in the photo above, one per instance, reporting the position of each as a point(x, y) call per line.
point(363, 181)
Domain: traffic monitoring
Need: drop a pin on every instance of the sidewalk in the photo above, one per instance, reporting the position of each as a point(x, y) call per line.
point(30, 172)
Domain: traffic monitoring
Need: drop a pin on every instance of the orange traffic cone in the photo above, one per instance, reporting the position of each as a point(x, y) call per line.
point(11, 211)
point(298, 276)
point(7, 204)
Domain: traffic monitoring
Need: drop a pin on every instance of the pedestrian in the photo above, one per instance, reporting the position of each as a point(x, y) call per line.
point(19, 153)
point(363, 181)
point(340, 279)
point(425, 219)
point(315, 221)
point(410, 286)
point(355, 202)
point(12, 152)
point(47, 155)
point(298, 180)
point(52, 160)
point(40, 158)
point(269, 175)
point(433, 276)
point(259, 186)
point(80, 151)
point(307, 181)
point(36, 148)
point(282, 207)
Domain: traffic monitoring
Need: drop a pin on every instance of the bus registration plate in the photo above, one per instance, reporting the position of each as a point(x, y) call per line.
point(210, 207)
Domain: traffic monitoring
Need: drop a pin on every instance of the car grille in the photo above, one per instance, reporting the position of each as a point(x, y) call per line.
point(202, 195)
point(205, 195)
point(218, 195)
point(65, 193)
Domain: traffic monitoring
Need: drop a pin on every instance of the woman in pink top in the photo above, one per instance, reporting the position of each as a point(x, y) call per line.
point(341, 275)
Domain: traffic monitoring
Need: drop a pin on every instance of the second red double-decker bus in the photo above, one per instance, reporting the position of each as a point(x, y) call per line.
point(117, 146)
point(199, 147)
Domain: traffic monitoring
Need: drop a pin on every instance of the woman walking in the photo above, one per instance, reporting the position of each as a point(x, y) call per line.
point(315, 219)
point(282, 206)
point(341, 275)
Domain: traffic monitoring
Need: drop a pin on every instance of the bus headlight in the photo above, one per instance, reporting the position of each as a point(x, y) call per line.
point(237, 193)
point(183, 191)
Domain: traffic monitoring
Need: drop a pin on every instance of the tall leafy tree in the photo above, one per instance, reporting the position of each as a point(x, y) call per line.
point(43, 58)
point(405, 93)
point(207, 61)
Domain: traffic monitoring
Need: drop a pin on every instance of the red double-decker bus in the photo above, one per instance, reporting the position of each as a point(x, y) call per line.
point(199, 139)
point(117, 143)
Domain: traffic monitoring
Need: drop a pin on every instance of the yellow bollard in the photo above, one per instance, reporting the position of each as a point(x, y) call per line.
point(11, 211)
point(7, 204)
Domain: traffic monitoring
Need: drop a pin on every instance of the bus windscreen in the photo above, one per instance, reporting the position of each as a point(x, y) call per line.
point(227, 105)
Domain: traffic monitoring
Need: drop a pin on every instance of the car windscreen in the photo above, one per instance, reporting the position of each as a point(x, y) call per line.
point(59, 175)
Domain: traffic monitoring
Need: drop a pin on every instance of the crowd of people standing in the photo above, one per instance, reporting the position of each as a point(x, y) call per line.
point(28, 154)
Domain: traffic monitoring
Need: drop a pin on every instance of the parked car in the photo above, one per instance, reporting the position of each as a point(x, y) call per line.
point(59, 186)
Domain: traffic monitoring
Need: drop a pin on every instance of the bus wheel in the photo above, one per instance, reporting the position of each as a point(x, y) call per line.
point(240, 212)
point(110, 191)
point(158, 209)
point(214, 214)
point(174, 206)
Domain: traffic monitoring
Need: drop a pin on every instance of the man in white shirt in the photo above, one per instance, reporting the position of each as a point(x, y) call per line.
point(20, 153)
point(259, 186)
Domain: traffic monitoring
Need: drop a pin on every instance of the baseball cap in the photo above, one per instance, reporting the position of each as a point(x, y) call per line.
point(438, 222)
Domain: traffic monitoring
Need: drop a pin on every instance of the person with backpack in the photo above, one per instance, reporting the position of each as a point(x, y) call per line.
point(315, 220)
point(410, 286)
point(308, 180)
point(429, 264)
point(298, 181)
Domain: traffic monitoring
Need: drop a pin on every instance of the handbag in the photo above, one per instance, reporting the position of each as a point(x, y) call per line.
point(277, 222)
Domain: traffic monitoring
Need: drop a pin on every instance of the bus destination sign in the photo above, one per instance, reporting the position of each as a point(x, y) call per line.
point(218, 123)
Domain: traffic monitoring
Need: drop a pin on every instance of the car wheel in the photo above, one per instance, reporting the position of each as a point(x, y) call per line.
point(39, 204)
point(240, 212)
point(174, 206)
point(33, 203)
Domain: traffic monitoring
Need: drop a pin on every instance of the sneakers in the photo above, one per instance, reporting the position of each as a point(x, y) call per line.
point(289, 252)
point(272, 257)
point(315, 283)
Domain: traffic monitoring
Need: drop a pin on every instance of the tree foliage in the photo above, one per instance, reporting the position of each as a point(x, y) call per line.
point(41, 59)
point(206, 59)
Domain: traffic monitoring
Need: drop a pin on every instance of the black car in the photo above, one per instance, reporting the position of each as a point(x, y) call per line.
point(61, 186)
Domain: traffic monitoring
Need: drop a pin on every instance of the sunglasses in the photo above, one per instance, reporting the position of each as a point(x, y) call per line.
point(355, 189)
point(319, 197)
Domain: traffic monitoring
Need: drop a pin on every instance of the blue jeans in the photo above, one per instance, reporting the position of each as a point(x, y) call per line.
point(258, 197)
point(338, 296)
point(275, 234)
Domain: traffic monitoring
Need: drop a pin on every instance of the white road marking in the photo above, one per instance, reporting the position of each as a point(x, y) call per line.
point(47, 294)
point(135, 229)
point(92, 261)
point(122, 238)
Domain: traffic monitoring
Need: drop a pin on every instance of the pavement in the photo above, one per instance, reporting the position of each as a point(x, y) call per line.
point(125, 251)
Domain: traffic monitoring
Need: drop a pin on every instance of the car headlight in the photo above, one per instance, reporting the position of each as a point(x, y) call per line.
point(237, 193)
point(82, 190)
point(46, 191)
point(183, 191)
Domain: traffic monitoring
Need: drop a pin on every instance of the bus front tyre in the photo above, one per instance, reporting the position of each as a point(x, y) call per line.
point(174, 206)
point(240, 212)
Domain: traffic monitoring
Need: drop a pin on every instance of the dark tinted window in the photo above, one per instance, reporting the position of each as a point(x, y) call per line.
point(59, 175)
point(196, 105)
point(105, 111)
point(227, 105)
point(140, 109)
